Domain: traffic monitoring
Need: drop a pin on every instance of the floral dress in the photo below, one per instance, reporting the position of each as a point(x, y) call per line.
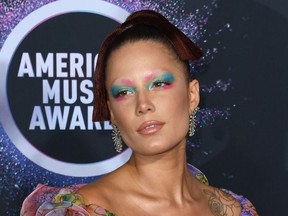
point(53, 201)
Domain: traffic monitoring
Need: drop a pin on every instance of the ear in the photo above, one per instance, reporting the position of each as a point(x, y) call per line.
point(194, 95)
point(112, 117)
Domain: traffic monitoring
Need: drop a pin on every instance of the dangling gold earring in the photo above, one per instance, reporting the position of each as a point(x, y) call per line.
point(192, 123)
point(116, 137)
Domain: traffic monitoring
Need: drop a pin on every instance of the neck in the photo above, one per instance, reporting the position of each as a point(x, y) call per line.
point(166, 173)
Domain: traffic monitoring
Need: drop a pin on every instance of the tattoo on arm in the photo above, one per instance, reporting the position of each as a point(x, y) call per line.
point(221, 203)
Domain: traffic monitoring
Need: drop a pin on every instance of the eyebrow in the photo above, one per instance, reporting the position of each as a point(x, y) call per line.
point(155, 74)
point(150, 76)
point(124, 81)
point(147, 78)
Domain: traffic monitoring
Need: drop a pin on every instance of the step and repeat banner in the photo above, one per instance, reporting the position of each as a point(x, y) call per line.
point(47, 60)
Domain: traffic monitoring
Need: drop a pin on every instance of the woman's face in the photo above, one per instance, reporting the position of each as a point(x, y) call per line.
point(149, 97)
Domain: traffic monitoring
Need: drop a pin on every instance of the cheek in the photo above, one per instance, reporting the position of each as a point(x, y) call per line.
point(118, 99)
point(178, 108)
point(121, 111)
point(179, 101)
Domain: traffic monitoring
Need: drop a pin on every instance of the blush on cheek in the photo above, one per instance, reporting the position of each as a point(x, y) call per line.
point(118, 99)
point(168, 86)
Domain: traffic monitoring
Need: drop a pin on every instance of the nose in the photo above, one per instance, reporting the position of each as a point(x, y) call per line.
point(144, 103)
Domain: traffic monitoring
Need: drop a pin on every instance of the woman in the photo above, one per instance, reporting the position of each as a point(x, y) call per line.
point(143, 86)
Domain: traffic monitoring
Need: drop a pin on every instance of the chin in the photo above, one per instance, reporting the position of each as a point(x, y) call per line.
point(153, 150)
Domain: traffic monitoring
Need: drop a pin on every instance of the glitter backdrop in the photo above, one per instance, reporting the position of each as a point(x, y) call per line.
point(18, 175)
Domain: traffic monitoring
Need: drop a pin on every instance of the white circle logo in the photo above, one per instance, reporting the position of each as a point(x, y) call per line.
point(46, 94)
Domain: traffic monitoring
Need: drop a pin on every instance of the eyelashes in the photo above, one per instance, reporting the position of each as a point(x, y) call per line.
point(159, 84)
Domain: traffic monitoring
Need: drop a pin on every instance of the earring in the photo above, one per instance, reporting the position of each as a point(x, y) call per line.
point(192, 123)
point(116, 137)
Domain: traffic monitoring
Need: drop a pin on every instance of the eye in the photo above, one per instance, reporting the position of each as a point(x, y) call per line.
point(161, 83)
point(123, 93)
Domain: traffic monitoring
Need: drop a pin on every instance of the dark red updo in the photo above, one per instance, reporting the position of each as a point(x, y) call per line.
point(141, 25)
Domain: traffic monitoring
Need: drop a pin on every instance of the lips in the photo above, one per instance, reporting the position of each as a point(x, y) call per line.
point(150, 127)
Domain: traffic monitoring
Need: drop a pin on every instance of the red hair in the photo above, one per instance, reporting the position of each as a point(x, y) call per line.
point(157, 28)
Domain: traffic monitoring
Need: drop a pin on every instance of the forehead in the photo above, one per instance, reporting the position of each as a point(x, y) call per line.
point(142, 55)
point(142, 45)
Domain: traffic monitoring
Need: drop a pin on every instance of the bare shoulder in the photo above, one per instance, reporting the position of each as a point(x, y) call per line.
point(102, 191)
point(221, 202)
point(93, 192)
